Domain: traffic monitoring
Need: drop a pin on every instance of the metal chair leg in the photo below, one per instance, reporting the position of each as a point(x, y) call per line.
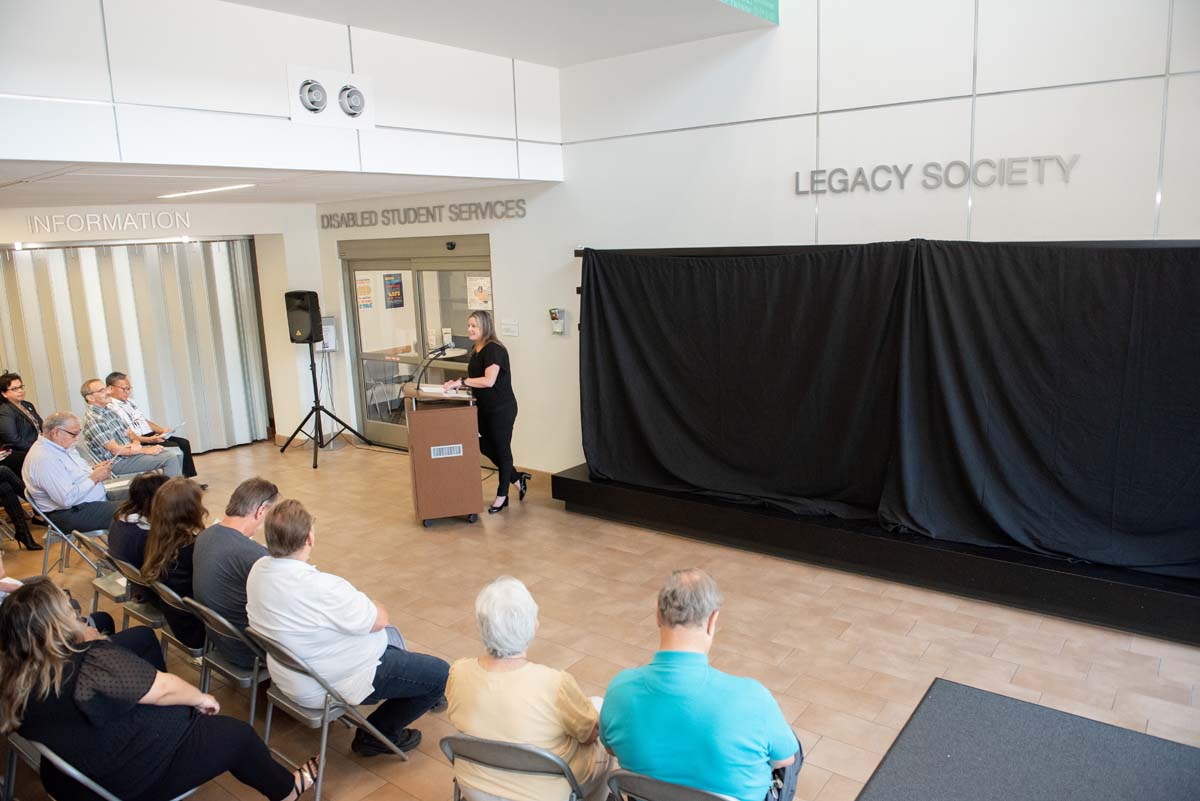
point(254, 692)
point(267, 724)
point(10, 775)
point(321, 753)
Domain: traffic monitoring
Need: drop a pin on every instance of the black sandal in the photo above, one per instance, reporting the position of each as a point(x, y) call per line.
point(307, 777)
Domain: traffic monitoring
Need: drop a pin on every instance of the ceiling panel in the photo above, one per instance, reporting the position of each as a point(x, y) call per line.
point(39, 183)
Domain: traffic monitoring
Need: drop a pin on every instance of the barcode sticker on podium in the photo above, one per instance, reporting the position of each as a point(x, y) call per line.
point(445, 451)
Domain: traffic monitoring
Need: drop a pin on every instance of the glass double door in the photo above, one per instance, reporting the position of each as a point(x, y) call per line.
point(402, 310)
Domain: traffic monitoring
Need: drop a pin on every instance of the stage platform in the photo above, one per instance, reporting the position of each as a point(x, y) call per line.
point(1157, 606)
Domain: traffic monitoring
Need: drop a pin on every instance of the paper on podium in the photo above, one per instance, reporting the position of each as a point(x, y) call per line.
point(435, 392)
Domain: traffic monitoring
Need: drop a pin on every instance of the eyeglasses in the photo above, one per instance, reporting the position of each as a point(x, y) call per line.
point(16, 388)
point(70, 433)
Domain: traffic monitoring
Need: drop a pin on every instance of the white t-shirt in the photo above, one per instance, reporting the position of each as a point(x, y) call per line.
point(322, 619)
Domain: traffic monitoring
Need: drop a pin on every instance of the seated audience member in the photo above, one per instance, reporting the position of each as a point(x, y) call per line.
point(71, 493)
point(504, 696)
point(144, 430)
point(225, 552)
point(11, 488)
point(680, 721)
point(131, 525)
point(340, 633)
point(177, 515)
point(107, 437)
point(141, 733)
point(19, 421)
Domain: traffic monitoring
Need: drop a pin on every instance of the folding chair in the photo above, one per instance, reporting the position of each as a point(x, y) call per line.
point(624, 784)
point(18, 746)
point(516, 757)
point(69, 770)
point(145, 613)
point(217, 626)
point(334, 708)
point(108, 581)
point(169, 597)
point(52, 532)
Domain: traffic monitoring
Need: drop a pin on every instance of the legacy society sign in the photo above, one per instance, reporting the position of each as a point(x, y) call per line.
point(1016, 171)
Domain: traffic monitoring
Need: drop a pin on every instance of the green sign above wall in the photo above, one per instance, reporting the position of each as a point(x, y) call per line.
point(763, 9)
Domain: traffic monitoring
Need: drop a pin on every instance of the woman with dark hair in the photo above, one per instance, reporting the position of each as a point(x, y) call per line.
point(20, 424)
point(131, 524)
point(142, 734)
point(488, 374)
point(177, 515)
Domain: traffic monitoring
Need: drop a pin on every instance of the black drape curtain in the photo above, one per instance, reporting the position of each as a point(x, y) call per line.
point(1040, 396)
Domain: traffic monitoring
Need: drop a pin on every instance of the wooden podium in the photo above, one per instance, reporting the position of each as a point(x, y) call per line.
point(443, 449)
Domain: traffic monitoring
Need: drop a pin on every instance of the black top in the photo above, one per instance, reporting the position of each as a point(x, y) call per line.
point(187, 627)
point(96, 723)
point(16, 430)
point(127, 542)
point(499, 395)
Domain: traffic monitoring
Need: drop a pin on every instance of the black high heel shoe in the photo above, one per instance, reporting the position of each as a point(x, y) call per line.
point(522, 482)
point(493, 509)
point(26, 540)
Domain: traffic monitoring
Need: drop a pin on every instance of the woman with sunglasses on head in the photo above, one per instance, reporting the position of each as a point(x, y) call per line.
point(142, 734)
point(489, 377)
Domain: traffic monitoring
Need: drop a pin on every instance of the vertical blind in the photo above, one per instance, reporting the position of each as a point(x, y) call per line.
point(181, 319)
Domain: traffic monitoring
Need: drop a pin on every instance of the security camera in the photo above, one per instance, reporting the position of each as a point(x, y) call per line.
point(313, 96)
point(351, 100)
point(451, 245)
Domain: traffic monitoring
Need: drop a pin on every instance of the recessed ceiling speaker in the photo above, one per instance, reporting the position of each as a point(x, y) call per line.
point(313, 96)
point(351, 100)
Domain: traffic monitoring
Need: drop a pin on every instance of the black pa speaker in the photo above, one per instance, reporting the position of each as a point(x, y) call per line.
point(303, 316)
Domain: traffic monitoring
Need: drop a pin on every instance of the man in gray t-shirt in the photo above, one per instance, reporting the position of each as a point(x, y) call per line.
point(225, 552)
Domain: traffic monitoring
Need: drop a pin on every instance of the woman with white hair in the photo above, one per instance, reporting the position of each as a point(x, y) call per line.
point(503, 696)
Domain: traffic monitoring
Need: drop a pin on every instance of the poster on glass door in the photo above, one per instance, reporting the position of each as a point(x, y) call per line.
point(479, 292)
point(393, 291)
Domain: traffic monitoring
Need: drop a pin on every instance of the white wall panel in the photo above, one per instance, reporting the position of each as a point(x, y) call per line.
point(53, 49)
point(437, 154)
point(539, 110)
point(742, 76)
point(881, 51)
point(179, 136)
point(690, 189)
point(57, 131)
point(1185, 36)
point(540, 162)
point(1180, 214)
point(1115, 130)
point(1026, 43)
point(214, 55)
point(916, 134)
point(436, 87)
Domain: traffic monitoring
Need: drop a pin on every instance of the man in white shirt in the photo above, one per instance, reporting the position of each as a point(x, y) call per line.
point(71, 493)
point(145, 430)
point(340, 633)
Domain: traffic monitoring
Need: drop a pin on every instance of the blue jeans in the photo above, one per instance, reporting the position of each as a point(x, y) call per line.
point(409, 684)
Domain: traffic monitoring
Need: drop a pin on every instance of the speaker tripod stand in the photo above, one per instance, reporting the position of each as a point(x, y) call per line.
point(315, 412)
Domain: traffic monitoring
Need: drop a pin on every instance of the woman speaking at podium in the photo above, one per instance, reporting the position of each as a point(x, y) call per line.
point(488, 374)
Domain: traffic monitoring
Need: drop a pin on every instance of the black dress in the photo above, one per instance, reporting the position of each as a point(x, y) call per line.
point(497, 411)
point(96, 723)
point(139, 752)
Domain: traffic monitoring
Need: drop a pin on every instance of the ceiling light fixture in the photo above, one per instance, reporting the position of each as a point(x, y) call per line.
point(206, 191)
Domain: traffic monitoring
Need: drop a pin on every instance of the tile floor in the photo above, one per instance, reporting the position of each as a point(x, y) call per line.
point(847, 656)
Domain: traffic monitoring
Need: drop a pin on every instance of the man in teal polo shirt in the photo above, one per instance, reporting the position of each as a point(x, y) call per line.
point(680, 721)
